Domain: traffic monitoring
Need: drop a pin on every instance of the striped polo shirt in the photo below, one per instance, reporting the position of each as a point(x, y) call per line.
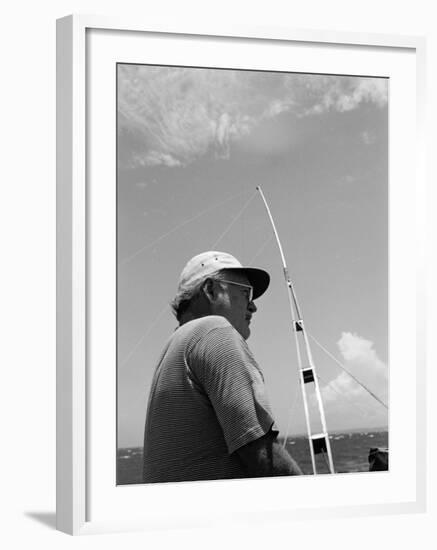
point(207, 400)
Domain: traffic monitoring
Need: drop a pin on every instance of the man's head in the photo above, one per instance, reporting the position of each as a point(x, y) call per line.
point(215, 283)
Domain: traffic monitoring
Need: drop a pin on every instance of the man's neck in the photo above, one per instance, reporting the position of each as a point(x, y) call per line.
point(191, 315)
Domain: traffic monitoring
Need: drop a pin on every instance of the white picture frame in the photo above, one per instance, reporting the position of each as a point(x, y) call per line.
point(74, 339)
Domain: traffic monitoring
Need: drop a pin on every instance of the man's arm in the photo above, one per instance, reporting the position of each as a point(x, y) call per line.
point(265, 457)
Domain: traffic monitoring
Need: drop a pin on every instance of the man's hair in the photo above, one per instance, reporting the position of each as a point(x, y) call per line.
point(185, 296)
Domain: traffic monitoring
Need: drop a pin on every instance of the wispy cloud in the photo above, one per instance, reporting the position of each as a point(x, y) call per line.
point(344, 398)
point(172, 116)
point(344, 93)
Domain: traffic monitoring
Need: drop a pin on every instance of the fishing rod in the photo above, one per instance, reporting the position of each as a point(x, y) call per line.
point(318, 443)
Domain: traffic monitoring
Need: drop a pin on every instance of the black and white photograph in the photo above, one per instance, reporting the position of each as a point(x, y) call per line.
point(218, 275)
point(252, 274)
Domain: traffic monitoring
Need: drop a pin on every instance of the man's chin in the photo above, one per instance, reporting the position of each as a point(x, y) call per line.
point(245, 333)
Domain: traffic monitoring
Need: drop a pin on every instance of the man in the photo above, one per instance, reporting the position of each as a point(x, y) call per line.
point(208, 416)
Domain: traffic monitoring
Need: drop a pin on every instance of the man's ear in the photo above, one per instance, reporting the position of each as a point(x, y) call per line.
point(209, 290)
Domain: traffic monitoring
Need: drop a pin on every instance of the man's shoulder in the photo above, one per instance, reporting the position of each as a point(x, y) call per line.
point(197, 329)
point(210, 331)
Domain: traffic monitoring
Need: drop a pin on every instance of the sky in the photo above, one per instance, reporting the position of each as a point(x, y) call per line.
point(192, 146)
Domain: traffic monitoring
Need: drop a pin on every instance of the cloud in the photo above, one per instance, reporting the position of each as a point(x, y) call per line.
point(326, 93)
point(172, 116)
point(344, 399)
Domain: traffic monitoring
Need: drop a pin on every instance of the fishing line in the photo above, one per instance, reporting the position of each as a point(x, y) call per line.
point(345, 396)
point(246, 204)
point(166, 308)
point(346, 371)
point(271, 237)
point(149, 329)
point(183, 224)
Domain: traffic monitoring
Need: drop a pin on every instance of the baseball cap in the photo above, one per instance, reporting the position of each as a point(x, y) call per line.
point(205, 264)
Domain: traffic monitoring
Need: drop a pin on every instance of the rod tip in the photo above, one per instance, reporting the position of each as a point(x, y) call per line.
point(258, 188)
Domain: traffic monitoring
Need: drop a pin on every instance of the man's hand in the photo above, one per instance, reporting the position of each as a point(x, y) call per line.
point(265, 457)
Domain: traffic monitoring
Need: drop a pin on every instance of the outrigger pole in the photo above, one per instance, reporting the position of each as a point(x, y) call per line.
point(319, 442)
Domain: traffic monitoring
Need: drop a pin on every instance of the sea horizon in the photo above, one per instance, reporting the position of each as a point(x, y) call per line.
point(350, 450)
point(333, 431)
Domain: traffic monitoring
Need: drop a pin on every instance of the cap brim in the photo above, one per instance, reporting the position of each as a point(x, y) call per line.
point(258, 278)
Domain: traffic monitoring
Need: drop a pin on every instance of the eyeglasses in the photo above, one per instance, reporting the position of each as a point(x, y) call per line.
point(249, 288)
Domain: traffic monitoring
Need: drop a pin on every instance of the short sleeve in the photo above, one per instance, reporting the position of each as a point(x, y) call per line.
point(227, 371)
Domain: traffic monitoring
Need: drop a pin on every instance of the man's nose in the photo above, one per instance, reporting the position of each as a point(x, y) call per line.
point(252, 307)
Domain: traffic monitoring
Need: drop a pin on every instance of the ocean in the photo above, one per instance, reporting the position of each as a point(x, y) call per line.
point(350, 452)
